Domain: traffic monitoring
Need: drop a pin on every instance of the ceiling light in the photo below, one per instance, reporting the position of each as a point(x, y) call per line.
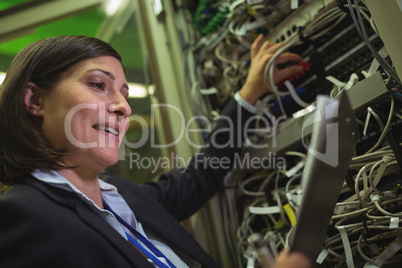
point(137, 90)
point(112, 6)
point(159, 9)
point(2, 77)
point(151, 89)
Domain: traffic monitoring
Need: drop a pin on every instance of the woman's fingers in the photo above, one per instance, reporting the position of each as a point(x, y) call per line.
point(255, 47)
point(287, 56)
point(270, 48)
point(261, 53)
point(282, 74)
point(266, 47)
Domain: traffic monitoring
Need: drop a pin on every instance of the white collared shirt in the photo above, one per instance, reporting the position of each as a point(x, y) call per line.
point(111, 196)
point(249, 107)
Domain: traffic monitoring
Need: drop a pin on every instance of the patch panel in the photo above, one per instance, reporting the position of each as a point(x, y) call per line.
point(339, 54)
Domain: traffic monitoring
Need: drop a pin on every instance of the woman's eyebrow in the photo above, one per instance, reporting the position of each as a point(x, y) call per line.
point(109, 74)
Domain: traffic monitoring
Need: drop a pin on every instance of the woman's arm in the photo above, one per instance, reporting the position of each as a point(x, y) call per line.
point(183, 192)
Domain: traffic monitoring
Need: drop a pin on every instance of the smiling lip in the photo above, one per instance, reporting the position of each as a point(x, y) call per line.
point(109, 129)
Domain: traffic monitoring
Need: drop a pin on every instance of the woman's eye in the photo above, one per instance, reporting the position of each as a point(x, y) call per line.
point(97, 85)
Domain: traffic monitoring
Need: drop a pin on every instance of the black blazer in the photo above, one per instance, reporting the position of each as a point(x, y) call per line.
point(44, 226)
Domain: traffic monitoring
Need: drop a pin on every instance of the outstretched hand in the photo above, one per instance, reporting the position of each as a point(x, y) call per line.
point(255, 87)
point(292, 260)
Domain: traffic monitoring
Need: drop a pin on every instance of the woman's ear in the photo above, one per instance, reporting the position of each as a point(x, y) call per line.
point(33, 99)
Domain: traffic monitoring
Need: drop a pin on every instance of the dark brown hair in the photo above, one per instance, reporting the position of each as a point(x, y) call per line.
point(23, 147)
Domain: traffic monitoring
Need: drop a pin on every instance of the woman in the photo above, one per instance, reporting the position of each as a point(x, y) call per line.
point(64, 112)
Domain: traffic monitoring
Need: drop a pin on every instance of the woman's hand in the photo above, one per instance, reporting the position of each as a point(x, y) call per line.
point(255, 87)
point(292, 260)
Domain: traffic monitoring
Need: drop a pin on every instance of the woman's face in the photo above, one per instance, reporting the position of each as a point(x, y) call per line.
point(86, 113)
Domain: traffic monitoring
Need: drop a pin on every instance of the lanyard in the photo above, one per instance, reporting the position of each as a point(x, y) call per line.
point(143, 240)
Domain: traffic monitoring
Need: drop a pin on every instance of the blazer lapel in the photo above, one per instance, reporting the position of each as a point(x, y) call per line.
point(165, 226)
point(70, 200)
point(112, 235)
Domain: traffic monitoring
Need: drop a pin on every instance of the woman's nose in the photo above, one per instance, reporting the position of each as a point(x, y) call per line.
point(120, 107)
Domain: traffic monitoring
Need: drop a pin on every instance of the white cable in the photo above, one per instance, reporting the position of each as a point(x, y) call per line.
point(377, 117)
point(383, 211)
point(389, 251)
point(269, 68)
point(380, 172)
point(335, 81)
point(346, 245)
point(294, 95)
point(252, 179)
point(352, 80)
point(235, 4)
point(385, 130)
point(362, 173)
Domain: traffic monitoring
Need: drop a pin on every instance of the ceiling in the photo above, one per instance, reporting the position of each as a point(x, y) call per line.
point(9, 3)
point(127, 42)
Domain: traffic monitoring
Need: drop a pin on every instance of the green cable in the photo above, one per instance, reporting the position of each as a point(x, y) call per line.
point(211, 22)
point(216, 21)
